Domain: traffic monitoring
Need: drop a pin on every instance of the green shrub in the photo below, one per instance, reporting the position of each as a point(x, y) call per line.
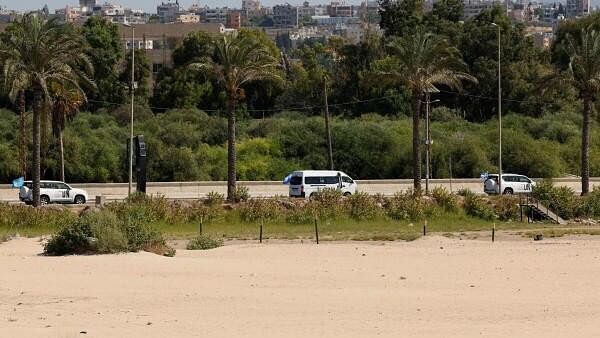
point(302, 214)
point(19, 217)
point(507, 208)
point(327, 204)
point(241, 194)
point(214, 198)
point(204, 242)
point(445, 199)
point(362, 206)
point(106, 232)
point(76, 238)
point(408, 206)
point(267, 209)
point(477, 206)
point(590, 205)
point(561, 200)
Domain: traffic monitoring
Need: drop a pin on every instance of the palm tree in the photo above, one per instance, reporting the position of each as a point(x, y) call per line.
point(584, 74)
point(237, 61)
point(421, 62)
point(36, 52)
point(66, 103)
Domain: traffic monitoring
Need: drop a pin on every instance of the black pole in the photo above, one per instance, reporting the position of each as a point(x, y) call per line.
point(494, 233)
point(260, 235)
point(425, 229)
point(316, 231)
point(200, 228)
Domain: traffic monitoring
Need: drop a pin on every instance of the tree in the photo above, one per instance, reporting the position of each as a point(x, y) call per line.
point(422, 62)
point(400, 17)
point(237, 61)
point(142, 73)
point(583, 73)
point(106, 55)
point(67, 100)
point(36, 53)
point(451, 10)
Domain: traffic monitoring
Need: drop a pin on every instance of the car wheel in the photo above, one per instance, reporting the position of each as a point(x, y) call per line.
point(508, 191)
point(44, 200)
point(347, 193)
point(79, 199)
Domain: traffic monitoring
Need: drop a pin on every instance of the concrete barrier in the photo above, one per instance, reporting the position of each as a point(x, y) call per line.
point(195, 190)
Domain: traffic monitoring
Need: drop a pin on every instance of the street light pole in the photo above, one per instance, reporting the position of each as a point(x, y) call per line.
point(132, 88)
point(499, 115)
point(428, 141)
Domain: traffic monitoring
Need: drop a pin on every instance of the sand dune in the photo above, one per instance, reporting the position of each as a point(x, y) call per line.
point(434, 287)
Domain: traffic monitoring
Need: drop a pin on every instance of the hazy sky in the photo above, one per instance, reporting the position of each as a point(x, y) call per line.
point(148, 5)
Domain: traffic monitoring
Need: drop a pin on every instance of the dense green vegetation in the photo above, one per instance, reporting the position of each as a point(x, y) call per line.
point(270, 148)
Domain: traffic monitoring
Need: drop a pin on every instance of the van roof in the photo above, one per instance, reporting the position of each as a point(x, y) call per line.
point(46, 181)
point(318, 173)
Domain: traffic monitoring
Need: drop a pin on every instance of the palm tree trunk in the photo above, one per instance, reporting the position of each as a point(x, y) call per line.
point(62, 155)
point(585, 146)
point(416, 143)
point(22, 136)
point(231, 153)
point(35, 171)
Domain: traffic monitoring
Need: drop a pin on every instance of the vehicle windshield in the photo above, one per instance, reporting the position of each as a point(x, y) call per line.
point(296, 180)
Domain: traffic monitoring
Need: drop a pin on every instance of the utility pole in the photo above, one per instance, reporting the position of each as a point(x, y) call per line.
point(427, 143)
point(132, 88)
point(328, 127)
point(499, 114)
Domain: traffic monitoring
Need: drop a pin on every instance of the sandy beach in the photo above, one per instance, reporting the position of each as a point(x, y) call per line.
point(432, 287)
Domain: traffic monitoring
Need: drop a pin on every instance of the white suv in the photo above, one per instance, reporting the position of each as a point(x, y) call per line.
point(53, 192)
point(511, 184)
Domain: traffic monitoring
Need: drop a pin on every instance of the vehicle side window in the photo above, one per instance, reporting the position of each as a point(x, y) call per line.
point(332, 180)
point(524, 179)
point(347, 179)
point(510, 179)
point(322, 180)
point(51, 186)
point(61, 186)
point(296, 180)
point(312, 180)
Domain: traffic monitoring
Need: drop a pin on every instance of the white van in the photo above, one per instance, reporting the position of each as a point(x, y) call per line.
point(511, 184)
point(308, 182)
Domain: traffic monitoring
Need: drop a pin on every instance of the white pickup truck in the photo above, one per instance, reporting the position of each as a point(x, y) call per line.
point(53, 192)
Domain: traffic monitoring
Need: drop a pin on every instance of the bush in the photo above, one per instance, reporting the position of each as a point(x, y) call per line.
point(267, 209)
point(76, 238)
point(204, 242)
point(241, 194)
point(327, 204)
point(590, 205)
point(362, 206)
point(507, 208)
point(445, 199)
point(561, 200)
point(106, 232)
point(477, 206)
point(19, 217)
point(214, 198)
point(408, 206)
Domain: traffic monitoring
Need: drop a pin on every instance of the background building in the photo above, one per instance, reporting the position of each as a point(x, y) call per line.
point(285, 16)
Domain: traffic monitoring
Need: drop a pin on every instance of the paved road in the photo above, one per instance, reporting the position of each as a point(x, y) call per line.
point(194, 190)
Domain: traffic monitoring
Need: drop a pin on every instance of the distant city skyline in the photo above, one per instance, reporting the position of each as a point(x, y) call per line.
point(148, 6)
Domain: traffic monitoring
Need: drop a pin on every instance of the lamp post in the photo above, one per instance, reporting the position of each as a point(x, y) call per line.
point(499, 115)
point(132, 89)
point(427, 141)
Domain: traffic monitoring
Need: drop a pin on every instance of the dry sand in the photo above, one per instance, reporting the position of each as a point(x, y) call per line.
point(435, 287)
